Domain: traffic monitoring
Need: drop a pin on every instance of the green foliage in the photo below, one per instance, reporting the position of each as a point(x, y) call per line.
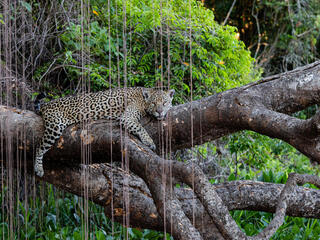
point(253, 222)
point(298, 40)
point(156, 33)
point(307, 113)
point(266, 159)
point(270, 160)
point(62, 218)
point(288, 30)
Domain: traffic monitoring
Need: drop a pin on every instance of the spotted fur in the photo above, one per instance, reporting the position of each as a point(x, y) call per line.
point(60, 113)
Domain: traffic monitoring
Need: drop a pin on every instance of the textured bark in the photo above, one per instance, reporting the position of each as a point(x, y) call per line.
point(237, 195)
point(264, 107)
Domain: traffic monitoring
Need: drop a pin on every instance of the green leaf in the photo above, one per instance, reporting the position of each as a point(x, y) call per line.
point(100, 235)
point(27, 6)
point(76, 235)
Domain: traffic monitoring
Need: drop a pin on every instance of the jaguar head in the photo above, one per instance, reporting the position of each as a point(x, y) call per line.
point(158, 102)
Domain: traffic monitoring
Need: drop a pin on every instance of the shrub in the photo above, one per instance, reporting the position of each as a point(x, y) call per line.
point(156, 48)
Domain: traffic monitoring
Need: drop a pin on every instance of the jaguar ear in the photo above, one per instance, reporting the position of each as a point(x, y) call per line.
point(145, 94)
point(171, 93)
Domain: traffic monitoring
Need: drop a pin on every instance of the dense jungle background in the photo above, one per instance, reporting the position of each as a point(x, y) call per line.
point(198, 48)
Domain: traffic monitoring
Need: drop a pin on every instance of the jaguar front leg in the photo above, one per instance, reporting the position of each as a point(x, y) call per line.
point(49, 137)
point(130, 119)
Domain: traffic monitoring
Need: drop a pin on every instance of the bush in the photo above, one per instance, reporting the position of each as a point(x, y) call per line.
point(219, 60)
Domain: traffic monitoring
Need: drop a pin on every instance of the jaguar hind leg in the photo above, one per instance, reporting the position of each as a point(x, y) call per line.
point(51, 134)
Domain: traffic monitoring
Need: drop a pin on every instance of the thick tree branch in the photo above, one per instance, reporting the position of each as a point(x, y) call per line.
point(264, 107)
point(224, 113)
point(237, 195)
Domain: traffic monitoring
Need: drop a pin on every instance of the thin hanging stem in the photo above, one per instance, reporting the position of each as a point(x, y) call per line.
point(163, 175)
point(191, 99)
point(168, 131)
point(110, 122)
point(126, 160)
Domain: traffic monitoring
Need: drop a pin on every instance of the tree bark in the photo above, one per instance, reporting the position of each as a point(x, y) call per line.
point(264, 107)
point(237, 195)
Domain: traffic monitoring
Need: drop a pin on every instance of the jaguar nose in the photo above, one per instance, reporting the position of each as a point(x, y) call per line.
point(159, 110)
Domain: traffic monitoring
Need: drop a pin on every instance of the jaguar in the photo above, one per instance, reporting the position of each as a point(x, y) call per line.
point(127, 106)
